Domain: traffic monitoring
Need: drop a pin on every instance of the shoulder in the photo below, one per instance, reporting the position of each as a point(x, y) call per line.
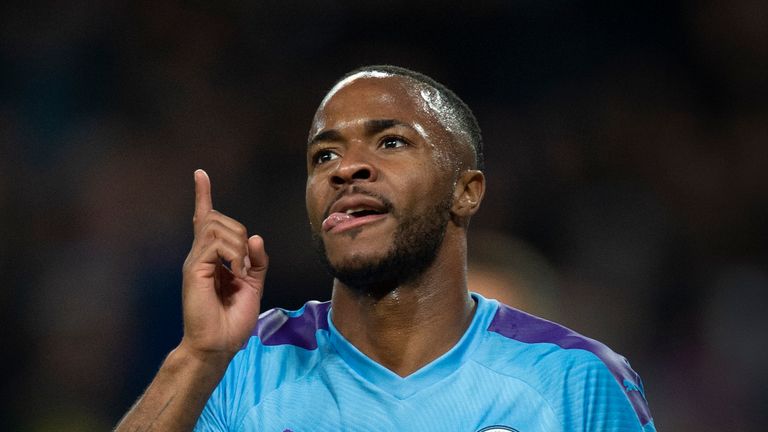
point(293, 327)
point(556, 356)
point(282, 348)
point(524, 328)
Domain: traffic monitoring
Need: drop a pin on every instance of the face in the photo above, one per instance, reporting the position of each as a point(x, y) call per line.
point(380, 180)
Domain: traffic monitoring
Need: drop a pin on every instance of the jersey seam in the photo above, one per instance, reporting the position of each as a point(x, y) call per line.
point(598, 362)
point(596, 359)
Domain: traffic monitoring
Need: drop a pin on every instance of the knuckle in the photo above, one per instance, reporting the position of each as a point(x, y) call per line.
point(209, 226)
point(222, 248)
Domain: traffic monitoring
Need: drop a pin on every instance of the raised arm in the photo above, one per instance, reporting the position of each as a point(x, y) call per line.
point(221, 307)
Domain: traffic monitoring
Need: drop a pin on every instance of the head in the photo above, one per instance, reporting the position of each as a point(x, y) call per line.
point(393, 176)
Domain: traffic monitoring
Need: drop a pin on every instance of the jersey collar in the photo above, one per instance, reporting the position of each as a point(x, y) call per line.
point(443, 366)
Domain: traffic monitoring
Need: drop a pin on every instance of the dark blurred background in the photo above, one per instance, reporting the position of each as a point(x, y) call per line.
point(626, 146)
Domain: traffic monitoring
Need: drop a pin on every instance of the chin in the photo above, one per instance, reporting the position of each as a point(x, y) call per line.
point(385, 259)
point(362, 269)
point(355, 252)
point(356, 262)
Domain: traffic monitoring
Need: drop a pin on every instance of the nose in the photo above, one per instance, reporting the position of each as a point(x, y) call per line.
point(355, 166)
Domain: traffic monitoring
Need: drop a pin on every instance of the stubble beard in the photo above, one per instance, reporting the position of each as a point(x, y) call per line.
point(414, 248)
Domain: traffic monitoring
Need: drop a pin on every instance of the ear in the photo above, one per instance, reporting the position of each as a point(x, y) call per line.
point(467, 195)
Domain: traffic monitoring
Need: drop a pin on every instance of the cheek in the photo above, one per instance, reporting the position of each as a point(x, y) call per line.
point(312, 199)
point(426, 188)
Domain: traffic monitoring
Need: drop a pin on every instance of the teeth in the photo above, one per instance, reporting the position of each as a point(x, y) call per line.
point(354, 210)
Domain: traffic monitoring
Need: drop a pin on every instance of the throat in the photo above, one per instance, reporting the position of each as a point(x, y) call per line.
point(400, 331)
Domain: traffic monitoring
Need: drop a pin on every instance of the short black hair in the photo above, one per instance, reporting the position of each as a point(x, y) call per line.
point(459, 109)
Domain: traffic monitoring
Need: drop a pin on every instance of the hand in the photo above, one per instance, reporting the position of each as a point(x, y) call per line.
point(221, 306)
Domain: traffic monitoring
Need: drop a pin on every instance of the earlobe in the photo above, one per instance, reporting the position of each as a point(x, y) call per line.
point(469, 191)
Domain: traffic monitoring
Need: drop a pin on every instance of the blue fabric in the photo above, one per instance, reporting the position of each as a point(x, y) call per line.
point(509, 372)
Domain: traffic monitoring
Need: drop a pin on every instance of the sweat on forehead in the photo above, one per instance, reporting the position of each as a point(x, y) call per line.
point(430, 100)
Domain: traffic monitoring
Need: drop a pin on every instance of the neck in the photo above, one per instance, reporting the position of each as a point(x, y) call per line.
point(414, 323)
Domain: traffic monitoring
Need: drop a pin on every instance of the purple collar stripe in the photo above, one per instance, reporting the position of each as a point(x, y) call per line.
point(520, 326)
point(280, 327)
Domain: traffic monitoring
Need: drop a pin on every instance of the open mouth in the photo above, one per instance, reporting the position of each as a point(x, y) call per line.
point(347, 218)
point(356, 213)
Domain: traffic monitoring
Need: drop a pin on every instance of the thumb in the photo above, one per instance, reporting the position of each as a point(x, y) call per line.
point(256, 268)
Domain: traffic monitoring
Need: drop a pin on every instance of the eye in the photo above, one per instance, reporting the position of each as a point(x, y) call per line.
point(324, 156)
point(392, 142)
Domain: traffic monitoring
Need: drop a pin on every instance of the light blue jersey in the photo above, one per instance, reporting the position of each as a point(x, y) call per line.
point(510, 371)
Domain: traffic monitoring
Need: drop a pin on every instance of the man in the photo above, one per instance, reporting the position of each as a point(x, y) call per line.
point(394, 177)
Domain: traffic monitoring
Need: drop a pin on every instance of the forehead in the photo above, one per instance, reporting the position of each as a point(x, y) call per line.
point(377, 95)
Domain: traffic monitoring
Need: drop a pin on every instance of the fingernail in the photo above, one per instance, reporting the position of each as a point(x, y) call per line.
point(244, 272)
point(247, 261)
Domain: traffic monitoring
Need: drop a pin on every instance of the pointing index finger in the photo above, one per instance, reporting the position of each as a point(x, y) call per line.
point(203, 203)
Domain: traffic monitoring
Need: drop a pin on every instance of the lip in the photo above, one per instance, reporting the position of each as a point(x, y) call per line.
point(356, 222)
point(336, 220)
point(357, 201)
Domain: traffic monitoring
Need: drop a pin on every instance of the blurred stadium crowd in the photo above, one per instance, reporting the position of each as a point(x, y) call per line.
point(627, 164)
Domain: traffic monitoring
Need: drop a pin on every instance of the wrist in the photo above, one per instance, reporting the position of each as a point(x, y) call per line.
point(185, 354)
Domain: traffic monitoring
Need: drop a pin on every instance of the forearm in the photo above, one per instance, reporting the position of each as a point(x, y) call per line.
point(177, 395)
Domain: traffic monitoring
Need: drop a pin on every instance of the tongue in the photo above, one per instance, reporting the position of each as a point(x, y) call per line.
point(334, 219)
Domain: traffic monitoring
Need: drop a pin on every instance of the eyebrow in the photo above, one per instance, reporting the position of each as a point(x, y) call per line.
point(372, 127)
point(326, 135)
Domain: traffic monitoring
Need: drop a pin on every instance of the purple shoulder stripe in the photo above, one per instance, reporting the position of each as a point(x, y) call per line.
point(280, 327)
point(526, 328)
